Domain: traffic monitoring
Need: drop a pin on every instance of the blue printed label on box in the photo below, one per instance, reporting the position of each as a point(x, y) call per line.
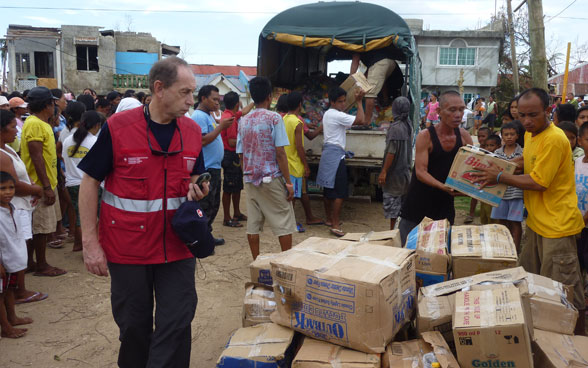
point(331, 287)
point(265, 277)
point(426, 279)
point(320, 323)
point(474, 191)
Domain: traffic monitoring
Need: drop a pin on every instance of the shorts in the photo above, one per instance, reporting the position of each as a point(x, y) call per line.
point(509, 209)
point(377, 75)
point(341, 188)
point(268, 201)
point(24, 219)
point(392, 205)
point(232, 172)
point(45, 217)
point(9, 282)
point(554, 258)
point(297, 182)
point(74, 192)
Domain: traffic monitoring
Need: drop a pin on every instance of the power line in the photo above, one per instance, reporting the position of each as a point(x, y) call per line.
point(564, 9)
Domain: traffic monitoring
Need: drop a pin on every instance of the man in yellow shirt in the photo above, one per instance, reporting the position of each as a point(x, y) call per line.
point(297, 164)
point(40, 157)
point(550, 197)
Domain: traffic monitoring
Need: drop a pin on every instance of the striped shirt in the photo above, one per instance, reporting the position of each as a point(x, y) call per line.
point(511, 192)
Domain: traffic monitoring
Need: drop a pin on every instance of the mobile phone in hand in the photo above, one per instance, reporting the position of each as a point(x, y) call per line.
point(203, 178)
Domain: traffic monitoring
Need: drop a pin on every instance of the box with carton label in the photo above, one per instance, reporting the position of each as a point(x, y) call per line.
point(419, 353)
point(390, 238)
point(258, 304)
point(490, 329)
point(356, 295)
point(552, 350)
point(434, 313)
point(260, 269)
point(481, 248)
point(430, 239)
point(351, 84)
point(265, 345)
point(321, 354)
point(468, 161)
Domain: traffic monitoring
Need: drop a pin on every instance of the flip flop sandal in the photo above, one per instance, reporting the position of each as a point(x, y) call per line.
point(51, 272)
point(232, 223)
point(315, 223)
point(241, 217)
point(36, 297)
point(55, 244)
point(337, 232)
point(300, 228)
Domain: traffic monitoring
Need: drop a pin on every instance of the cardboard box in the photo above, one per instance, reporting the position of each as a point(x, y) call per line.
point(552, 350)
point(430, 239)
point(414, 353)
point(351, 84)
point(469, 160)
point(356, 295)
point(434, 313)
point(268, 345)
point(490, 329)
point(320, 354)
point(477, 249)
point(261, 269)
point(258, 304)
point(390, 238)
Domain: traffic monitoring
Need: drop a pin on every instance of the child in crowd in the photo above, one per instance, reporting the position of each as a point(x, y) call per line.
point(492, 144)
point(581, 169)
point(510, 210)
point(13, 258)
point(581, 116)
point(571, 131)
point(483, 134)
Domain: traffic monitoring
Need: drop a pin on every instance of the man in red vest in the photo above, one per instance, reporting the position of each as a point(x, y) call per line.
point(149, 158)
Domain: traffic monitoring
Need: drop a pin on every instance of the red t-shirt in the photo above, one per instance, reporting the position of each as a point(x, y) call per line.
point(230, 132)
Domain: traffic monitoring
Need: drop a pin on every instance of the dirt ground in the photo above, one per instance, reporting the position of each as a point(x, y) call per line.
point(74, 326)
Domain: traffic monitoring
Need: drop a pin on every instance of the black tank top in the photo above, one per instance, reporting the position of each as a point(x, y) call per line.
point(423, 200)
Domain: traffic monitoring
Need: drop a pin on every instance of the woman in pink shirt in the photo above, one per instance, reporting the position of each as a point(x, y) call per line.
point(431, 110)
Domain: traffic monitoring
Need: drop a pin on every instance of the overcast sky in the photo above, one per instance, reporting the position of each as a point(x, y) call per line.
point(226, 32)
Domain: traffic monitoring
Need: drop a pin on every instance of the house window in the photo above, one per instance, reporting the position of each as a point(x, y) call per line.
point(457, 56)
point(87, 58)
point(44, 65)
point(467, 97)
point(23, 63)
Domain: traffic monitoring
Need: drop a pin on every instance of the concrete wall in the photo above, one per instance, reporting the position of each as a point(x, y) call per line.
point(76, 80)
point(135, 62)
point(133, 41)
point(30, 45)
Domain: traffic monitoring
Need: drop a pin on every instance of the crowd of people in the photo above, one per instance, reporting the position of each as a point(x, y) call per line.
point(110, 173)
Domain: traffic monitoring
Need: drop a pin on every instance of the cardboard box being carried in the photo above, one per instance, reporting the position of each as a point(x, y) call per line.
point(390, 238)
point(429, 239)
point(320, 354)
point(260, 269)
point(491, 330)
point(477, 249)
point(268, 345)
point(469, 160)
point(356, 295)
point(258, 304)
point(351, 84)
point(554, 350)
point(416, 353)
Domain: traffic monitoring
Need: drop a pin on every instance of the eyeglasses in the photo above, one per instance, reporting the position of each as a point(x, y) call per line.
point(156, 151)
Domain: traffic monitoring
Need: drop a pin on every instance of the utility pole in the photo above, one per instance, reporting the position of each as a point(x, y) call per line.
point(537, 40)
point(513, 51)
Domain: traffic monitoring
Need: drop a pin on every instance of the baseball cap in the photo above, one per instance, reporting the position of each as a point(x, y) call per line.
point(40, 94)
point(3, 100)
point(191, 226)
point(17, 102)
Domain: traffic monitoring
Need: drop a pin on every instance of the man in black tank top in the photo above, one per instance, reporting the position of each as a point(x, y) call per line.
point(436, 148)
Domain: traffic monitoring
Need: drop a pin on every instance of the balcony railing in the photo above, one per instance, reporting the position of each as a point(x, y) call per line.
point(130, 81)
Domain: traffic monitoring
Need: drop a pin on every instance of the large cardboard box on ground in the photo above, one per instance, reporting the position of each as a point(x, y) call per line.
point(477, 249)
point(491, 330)
point(430, 239)
point(266, 345)
point(470, 160)
point(389, 237)
point(258, 304)
point(321, 354)
point(356, 295)
point(552, 350)
point(415, 353)
point(434, 313)
point(260, 269)
point(351, 84)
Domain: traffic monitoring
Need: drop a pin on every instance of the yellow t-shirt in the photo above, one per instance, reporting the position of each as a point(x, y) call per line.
point(295, 164)
point(36, 130)
point(553, 213)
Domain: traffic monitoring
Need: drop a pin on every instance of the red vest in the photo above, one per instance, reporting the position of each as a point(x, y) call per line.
point(144, 190)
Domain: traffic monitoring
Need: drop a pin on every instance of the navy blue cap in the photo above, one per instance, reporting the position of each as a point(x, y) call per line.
point(191, 225)
point(40, 94)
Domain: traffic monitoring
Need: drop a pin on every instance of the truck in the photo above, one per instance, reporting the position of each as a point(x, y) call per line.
point(298, 44)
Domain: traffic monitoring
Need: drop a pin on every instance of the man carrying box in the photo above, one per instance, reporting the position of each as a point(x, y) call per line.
point(549, 193)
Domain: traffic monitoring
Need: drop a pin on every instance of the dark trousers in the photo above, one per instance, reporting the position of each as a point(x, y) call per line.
point(132, 290)
point(211, 203)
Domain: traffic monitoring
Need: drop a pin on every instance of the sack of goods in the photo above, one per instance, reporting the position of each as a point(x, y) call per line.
point(356, 295)
point(430, 239)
